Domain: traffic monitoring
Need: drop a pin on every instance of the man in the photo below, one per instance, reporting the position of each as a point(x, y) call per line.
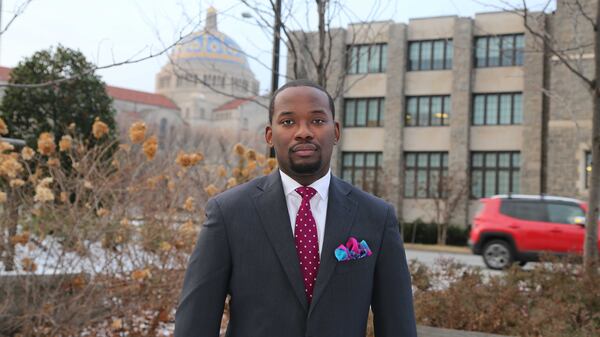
point(273, 244)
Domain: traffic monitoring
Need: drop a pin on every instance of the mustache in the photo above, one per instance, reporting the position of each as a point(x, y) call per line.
point(304, 146)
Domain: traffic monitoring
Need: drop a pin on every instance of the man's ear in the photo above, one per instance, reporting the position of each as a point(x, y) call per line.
point(337, 132)
point(269, 135)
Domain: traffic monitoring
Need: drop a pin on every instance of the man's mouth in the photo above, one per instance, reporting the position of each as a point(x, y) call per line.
point(304, 150)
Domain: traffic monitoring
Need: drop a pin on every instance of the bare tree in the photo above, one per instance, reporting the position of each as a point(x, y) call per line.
point(449, 194)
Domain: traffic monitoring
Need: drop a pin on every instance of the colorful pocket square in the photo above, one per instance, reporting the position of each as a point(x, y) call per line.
point(353, 250)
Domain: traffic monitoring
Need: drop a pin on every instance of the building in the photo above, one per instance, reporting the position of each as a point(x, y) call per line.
point(207, 70)
point(461, 98)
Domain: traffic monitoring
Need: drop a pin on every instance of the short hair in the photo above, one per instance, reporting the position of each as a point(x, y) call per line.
point(299, 83)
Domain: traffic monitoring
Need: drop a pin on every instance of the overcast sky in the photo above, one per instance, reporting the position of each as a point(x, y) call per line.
point(109, 31)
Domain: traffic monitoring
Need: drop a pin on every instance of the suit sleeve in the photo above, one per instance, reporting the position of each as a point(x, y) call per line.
point(206, 280)
point(392, 302)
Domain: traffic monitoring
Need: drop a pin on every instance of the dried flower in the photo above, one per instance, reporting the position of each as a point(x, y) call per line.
point(10, 166)
point(245, 172)
point(251, 166)
point(187, 228)
point(22, 238)
point(165, 246)
point(71, 127)
point(236, 172)
point(3, 127)
point(171, 186)
point(125, 147)
point(153, 181)
point(266, 170)
point(99, 128)
point(43, 194)
point(137, 132)
point(64, 197)
point(46, 144)
point(261, 158)
point(189, 204)
point(4, 146)
point(222, 171)
point(46, 181)
point(28, 265)
point(140, 274)
point(117, 324)
point(101, 212)
point(188, 160)
point(125, 222)
point(272, 163)
point(211, 190)
point(231, 182)
point(150, 146)
point(16, 183)
point(2, 197)
point(27, 153)
point(251, 155)
point(65, 143)
point(53, 162)
point(87, 184)
point(239, 149)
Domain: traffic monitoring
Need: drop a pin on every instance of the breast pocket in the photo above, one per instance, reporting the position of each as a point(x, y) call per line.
point(353, 266)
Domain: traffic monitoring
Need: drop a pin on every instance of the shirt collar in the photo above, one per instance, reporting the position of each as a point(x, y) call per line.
point(321, 185)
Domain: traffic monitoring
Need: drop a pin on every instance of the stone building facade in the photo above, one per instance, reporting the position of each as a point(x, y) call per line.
point(478, 101)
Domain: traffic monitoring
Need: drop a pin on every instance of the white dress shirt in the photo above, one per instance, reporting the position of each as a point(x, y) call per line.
point(318, 203)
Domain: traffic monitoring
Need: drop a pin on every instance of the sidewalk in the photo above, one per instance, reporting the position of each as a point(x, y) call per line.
point(438, 248)
point(426, 331)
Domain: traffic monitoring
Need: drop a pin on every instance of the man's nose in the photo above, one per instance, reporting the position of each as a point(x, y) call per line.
point(304, 130)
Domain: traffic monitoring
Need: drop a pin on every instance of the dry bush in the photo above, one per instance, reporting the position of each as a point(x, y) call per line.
point(95, 239)
point(553, 299)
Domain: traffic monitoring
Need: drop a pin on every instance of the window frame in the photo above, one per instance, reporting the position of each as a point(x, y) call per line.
point(512, 169)
point(353, 54)
point(442, 171)
point(446, 101)
point(498, 112)
point(447, 55)
point(353, 124)
point(377, 168)
point(516, 52)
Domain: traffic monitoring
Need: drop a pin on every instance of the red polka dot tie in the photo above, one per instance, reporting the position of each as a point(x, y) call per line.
point(307, 243)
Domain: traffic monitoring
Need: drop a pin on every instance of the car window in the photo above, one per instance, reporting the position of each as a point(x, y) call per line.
point(524, 209)
point(564, 212)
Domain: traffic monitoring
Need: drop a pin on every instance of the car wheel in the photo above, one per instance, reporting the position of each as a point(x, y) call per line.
point(497, 255)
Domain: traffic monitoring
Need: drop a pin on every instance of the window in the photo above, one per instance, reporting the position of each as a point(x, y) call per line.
point(427, 110)
point(364, 112)
point(499, 50)
point(430, 55)
point(495, 173)
point(363, 169)
point(588, 168)
point(368, 58)
point(497, 109)
point(423, 172)
point(531, 210)
point(564, 213)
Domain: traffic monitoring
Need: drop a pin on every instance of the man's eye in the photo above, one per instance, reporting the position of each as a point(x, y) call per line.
point(287, 122)
point(319, 121)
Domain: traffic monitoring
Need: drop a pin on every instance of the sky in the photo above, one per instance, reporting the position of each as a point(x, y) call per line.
point(113, 31)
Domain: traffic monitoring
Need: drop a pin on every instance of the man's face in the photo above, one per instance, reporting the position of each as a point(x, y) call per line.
point(303, 132)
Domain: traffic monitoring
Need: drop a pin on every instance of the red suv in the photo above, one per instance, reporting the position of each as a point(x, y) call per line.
point(517, 228)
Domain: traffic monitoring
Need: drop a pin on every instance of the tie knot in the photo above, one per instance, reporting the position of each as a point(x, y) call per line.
point(306, 192)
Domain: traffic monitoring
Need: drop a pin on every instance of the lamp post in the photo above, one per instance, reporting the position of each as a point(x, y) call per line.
point(275, 54)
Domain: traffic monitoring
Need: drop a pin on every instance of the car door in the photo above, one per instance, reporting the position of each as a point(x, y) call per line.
point(566, 236)
point(528, 223)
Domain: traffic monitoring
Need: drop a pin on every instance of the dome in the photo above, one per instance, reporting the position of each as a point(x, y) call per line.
point(210, 45)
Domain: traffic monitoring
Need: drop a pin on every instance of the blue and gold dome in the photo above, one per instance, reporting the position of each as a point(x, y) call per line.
point(210, 45)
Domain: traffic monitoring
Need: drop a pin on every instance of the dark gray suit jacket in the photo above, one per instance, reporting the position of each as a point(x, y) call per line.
point(246, 249)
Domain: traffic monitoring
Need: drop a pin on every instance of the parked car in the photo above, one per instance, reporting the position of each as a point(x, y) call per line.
point(518, 228)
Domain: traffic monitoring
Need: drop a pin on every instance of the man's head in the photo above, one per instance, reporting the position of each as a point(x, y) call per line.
point(302, 130)
point(299, 83)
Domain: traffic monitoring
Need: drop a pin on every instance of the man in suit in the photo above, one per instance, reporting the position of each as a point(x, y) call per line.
point(271, 243)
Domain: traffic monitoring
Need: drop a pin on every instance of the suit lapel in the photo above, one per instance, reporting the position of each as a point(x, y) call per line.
point(272, 208)
point(341, 210)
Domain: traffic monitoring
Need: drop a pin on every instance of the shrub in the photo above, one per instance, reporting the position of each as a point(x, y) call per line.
point(426, 233)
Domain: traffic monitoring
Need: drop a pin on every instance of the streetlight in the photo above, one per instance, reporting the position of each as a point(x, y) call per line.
point(275, 55)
